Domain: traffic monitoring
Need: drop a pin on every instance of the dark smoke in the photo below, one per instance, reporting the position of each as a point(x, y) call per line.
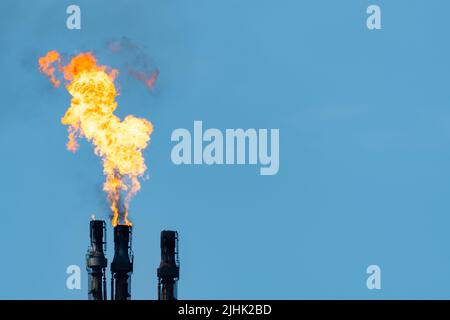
point(139, 65)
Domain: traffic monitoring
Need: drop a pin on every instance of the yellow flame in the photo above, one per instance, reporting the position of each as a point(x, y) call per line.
point(118, 143)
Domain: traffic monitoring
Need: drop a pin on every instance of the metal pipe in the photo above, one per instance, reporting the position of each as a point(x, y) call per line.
point(169, 268)
point(122, 264)
point(96, 261)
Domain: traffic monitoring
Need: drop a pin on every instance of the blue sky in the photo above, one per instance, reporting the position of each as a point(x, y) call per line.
point(364, 125)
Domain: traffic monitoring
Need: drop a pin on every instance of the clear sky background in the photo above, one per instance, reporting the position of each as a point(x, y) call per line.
point(364, 119)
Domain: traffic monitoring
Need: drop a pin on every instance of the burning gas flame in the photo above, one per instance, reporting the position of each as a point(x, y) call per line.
point(45, 65)
point(91, 115)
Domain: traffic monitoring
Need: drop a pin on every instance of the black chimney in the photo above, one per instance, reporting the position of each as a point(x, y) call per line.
point(96, 261)
point(122, 264)
point(169, 268)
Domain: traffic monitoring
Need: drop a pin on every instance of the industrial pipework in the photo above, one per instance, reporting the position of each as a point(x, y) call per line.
point(169, 268)
point(96, 261)
point(122, 264)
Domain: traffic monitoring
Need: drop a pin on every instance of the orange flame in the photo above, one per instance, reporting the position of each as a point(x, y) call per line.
point(45, 66)
point(91, 115)
point(151, 81)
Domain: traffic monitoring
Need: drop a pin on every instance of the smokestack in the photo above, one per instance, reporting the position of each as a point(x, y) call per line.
point(122, 264)
point(96, 261)
point(169, 268)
